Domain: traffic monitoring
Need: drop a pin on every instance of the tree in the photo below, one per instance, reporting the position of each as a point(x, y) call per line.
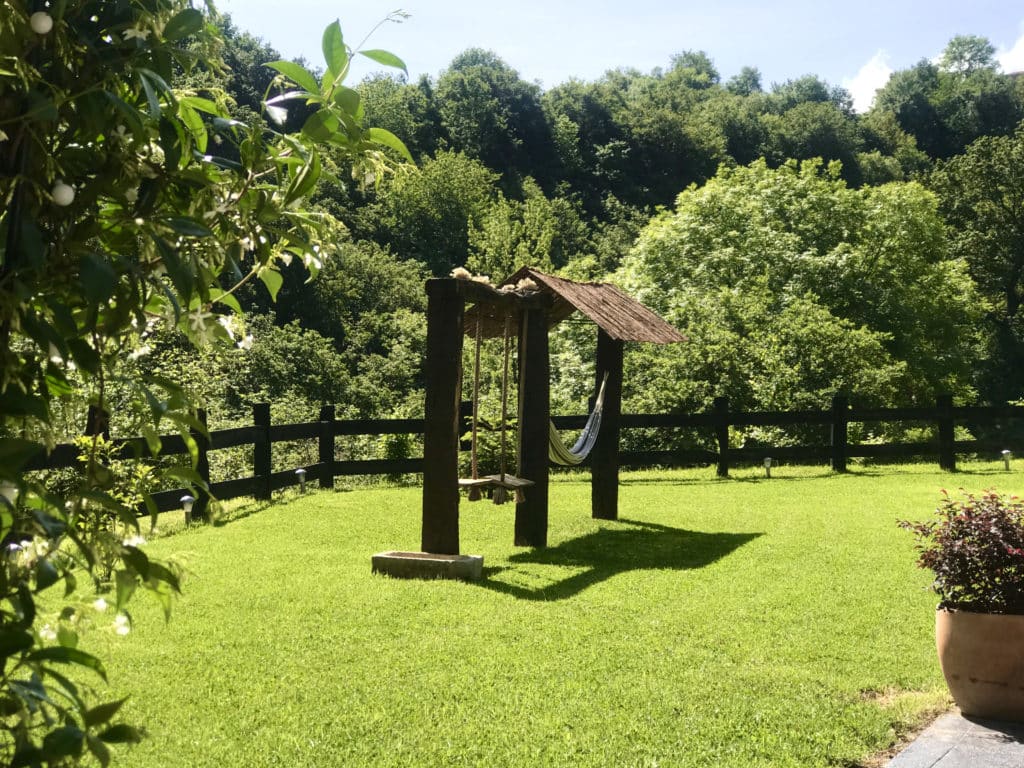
point(745, 83)
point(427, 216)
point(982, 196)
point(965, 54)
point(947, 106)
point(872, 259)
point(492, 115)
point(119, 213)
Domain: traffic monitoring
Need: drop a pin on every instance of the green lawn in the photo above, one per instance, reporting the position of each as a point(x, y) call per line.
point(718, 623)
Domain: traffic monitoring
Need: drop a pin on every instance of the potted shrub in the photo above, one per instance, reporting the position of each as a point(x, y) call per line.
point(975, 547)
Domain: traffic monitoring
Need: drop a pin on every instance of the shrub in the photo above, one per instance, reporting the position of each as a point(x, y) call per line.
point(976, 550)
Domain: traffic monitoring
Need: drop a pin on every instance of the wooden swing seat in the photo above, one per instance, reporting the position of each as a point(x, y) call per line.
point(510, 482)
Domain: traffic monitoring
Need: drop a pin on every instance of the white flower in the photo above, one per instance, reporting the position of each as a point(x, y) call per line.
point(246, 343)
point(121, 624)
point(134, 541)
point(199, 322)
point(47, 633)
point(228, 323)
point(135, 33)
point(100, 605)
point(142, 351)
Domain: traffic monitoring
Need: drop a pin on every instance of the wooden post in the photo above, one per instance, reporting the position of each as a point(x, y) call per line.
point(261, 462)
point(604, 458)
point(721, 410)
point(947, 454)
point(325, 446)
point(840, 420)
point(531, 526)
point(97, 422)
point(201, 507)
point(440, 533)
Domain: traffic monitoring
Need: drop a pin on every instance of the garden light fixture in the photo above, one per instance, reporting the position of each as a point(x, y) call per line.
point(767, 466)
point(1007, 455)
point(301, 474)
point(186, 505)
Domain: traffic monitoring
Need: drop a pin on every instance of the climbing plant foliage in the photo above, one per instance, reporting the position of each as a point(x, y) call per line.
point(128, 202)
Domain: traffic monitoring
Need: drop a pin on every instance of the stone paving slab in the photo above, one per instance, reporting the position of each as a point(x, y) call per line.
point(953, 741)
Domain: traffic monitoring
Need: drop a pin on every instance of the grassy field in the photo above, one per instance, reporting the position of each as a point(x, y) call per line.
point(718, 623)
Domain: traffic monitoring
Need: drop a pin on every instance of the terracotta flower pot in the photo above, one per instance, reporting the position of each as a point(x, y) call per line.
point(982, 657)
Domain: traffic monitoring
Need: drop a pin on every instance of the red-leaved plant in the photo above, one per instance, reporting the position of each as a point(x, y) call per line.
point(976, 550)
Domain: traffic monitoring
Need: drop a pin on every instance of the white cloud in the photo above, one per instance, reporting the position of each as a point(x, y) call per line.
point(869, 78)
point(1012, 59)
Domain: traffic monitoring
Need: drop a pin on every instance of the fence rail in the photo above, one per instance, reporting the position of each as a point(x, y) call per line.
point(262, 434)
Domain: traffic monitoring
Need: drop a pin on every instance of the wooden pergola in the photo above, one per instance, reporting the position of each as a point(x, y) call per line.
point(535, 308)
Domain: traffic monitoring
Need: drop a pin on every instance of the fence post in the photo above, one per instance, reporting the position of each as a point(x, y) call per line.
point(261, 450)
point(97, 422)
point(947, 453)
point(200, 510)
point(326, 446)
point(721, 411)
point(840, 420)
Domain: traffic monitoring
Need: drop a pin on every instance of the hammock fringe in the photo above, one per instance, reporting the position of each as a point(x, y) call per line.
point(560, 454)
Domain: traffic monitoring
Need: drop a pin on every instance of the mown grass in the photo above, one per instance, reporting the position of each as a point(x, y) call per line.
point(718, 623)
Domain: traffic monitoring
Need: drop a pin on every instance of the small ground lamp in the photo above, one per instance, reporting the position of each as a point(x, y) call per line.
point(1007, 455)
point(301, 474)
point(767, 466)
point(186, 505)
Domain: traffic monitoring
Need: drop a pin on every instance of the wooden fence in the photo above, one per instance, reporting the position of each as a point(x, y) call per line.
point(262, 434)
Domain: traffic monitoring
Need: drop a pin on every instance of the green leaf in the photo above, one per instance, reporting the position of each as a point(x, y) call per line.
point(388, 139)
point(177, 269)
point(320, 125)
point(195, 125)
point(102, 713)
point(121, 734)
point(348, 99)
point(386, 58)
point(16, 453)
point(189, 227)
point(227, 299)
point(203, 105)
point(63, 655)
point(183, 24)
point(126, 585)
point(273, 280)
point(153, 441)
point(46, 575)
point(297, 74)
point(97, 277)
point(335, 52)
point(151, 97)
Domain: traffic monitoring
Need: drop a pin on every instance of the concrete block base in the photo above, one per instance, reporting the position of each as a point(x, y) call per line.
point(423, 565)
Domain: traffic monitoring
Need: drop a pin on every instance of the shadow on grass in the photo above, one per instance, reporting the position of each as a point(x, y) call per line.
point(609, 552)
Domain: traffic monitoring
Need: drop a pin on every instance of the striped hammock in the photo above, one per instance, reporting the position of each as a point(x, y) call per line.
point(560, 454)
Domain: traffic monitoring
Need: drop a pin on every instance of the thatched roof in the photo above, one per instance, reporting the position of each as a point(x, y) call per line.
point(618, 315)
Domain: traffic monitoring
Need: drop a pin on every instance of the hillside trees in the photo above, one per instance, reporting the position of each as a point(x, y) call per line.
point(742, 259)
point(948, 105)
point(982, 194)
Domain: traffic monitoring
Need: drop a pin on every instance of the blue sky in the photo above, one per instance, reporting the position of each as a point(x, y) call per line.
point(856, 44)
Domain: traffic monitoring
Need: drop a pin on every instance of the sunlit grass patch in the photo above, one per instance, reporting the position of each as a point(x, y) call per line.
point(718, 623)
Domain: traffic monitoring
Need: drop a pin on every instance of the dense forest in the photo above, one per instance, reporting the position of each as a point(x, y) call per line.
point(805, 249)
